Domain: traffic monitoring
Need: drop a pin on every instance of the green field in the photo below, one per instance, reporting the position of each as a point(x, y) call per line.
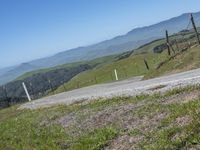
point(160, 121)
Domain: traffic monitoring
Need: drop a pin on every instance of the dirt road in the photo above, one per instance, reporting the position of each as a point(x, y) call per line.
point(130, 87)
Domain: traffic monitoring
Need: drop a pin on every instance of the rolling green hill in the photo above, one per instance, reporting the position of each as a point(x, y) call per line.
point(126, 68)
point(134, 64)
point(187, 60)
point(101, 70)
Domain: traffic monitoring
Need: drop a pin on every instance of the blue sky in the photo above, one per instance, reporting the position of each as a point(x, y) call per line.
point(31, 29)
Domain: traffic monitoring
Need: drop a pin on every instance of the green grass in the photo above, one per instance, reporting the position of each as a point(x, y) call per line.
point(38, 129)
point(187, 60)
point(126, 68)
point(22, 130)
point(189, 134)
point(95, 140)
point(26, 129)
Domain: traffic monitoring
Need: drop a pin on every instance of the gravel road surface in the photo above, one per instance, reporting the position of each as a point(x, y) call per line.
point(130, 87)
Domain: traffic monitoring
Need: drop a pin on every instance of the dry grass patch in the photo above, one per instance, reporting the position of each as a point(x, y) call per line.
point(181, 97)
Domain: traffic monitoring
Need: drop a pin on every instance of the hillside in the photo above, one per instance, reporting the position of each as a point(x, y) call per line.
point(133, 39)
point(187, 60)
point(101, 70)
point(134, 64)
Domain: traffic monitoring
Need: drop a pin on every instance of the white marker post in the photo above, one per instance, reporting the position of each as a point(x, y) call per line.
point(116, 76)
point(26, 91)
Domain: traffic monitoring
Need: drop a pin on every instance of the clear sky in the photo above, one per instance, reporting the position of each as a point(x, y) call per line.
point(31, 29)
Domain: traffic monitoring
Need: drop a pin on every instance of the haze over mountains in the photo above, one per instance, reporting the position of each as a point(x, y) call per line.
point(129, 41)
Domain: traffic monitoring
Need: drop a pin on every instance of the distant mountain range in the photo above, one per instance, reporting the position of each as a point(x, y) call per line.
point(14, 72)
point(133, 39)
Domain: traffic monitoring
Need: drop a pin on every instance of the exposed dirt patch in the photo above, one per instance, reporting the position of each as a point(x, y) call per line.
point(67, 120)
point(182, 121)
point(128, 117)
point(177, 136)
point(89, 119)
point(111, 115)
point(181, 98)
point(145, 124)
point(123, 116)
point(125, 142)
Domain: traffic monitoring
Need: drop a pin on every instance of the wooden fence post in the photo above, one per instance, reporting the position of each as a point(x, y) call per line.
point(167, 41)
point(195, 28)
point(146, 64)
point(171, 47)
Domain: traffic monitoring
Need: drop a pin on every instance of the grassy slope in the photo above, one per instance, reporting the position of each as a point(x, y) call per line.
point(126, 68)
point(148, 122)
point(188, 60)
point(134, 65)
